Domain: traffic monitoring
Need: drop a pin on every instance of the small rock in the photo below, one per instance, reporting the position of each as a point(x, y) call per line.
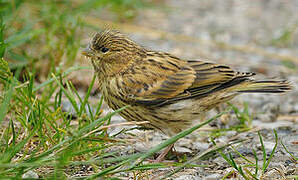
point(268, 145)
point(68, 107)
point(245, 150)
point(185, 177)
point(30, 175)
point(201, 145)
point(213, 176)
point(231, 133)
point(183, 149)
point(271, 125)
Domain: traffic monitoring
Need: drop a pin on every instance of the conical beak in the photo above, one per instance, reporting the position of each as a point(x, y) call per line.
point(88, 51)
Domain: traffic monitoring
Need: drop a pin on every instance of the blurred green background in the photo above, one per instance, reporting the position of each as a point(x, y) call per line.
point(45, 35)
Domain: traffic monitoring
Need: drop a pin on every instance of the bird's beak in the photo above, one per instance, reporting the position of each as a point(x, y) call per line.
point(88, 51)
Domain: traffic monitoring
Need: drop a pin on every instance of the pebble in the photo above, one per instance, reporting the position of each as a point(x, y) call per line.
point(213, 176)
point(268, 145)
point(185, 177)
point(270, 125)
point(183, 149)
point(30, 175)
point(68, 107)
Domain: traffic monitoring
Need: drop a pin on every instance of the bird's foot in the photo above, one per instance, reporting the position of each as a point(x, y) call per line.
point(164, 153)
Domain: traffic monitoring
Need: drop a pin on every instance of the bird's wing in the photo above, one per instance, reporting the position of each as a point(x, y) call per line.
point(165, 81)
point(157, 79)
point(210, 76)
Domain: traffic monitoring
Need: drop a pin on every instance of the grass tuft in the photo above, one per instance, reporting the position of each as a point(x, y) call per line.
point(243, 169)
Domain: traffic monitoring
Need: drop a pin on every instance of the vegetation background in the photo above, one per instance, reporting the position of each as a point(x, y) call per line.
point(54, 124)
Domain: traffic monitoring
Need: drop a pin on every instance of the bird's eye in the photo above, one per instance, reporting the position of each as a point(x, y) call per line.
point(104, 50)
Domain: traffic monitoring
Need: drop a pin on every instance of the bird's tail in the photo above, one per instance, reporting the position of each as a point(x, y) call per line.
point(270, 86)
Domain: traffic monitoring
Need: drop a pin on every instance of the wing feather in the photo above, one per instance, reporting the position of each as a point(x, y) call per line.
point(162, 79)
point(155, 78)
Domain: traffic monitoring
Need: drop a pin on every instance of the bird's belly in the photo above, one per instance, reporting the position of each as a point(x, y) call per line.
point(181, 115)
point(170, 119)
point(185, 113)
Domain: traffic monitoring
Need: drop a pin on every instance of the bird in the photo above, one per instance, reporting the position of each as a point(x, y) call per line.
point(169, 92)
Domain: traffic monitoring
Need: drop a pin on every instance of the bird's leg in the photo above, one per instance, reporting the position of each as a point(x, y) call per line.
point(162, 156)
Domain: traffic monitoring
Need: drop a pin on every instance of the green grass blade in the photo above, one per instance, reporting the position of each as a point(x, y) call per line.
point(257, 164)
point(251, 175)
point(263, 150)
point(64, 74)
point(97, 112)
point(6, 101)
point(2, 43)
point(296, 158)
point(10, 89)
point(67, 93)
point(11, 152)
point(273, 150)
point(239, 154)
point(96, 122)
point(109, 169)
point(23, 36)
point(87, 95)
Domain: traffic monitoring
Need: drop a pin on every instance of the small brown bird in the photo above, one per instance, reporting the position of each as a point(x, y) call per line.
point(165, 90)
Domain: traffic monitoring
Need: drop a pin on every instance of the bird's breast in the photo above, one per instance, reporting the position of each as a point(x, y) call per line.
point(112, 94)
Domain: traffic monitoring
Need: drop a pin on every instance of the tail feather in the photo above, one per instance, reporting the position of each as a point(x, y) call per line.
point(270, 86)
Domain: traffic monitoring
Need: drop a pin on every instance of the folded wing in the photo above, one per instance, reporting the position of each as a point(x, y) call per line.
point(158, 81)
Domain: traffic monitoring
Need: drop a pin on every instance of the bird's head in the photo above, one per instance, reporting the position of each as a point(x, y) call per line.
point(112, 52)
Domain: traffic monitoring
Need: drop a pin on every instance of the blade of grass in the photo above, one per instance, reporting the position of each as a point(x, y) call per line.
point(228, 174)
point(87, 95)
point(67, 93)
point(109, 169)
point(250, 174)
point(296, 158)
point(8, 94)
point(231, 161)
point(272, 152)
point(120, 158)
point(64, 74)
point(263, 150)
point(257, 165)
point(97, 112)
point(243, 157)
point(2, 43)
point(238, 168)
point(6, 101)
point(8, 155)
point(85, 151)
point(23, 36)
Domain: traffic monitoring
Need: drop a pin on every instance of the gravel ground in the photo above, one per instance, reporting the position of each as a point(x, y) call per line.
point(265, 24)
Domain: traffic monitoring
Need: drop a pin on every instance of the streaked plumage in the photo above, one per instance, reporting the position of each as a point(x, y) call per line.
point(165, 90)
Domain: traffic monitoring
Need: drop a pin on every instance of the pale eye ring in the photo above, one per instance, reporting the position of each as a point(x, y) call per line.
point(104, 49)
